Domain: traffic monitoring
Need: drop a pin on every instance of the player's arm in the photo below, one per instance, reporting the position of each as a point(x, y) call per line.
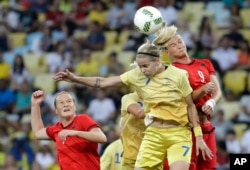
point(94, 135)
point(130, 104)
point(202, 91)
point(36, 120)
point(194, 119)
point(216, 94)
point(98, 82)
point(136, 110)
point(192, 112)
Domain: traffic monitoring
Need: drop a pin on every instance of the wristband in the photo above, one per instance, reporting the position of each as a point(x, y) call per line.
point(211, 103)
point(197, 131)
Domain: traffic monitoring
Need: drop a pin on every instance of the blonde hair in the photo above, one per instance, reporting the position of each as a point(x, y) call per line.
point(164, 35)
point(148, 49)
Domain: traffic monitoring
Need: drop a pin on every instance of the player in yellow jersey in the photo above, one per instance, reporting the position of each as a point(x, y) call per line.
point(132, 114)
point(166, 94)
point(111, 158)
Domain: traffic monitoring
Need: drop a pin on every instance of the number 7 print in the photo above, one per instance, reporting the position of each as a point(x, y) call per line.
point(186, 150)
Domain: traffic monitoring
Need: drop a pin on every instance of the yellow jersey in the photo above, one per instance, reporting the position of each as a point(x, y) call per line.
point(163, 94)
point(133, 127)
point(111, 158)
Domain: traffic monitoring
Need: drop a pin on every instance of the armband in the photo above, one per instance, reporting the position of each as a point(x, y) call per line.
point(197, 131)
point(211, 103)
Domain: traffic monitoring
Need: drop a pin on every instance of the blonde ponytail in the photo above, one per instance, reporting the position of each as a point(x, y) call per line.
point(164, 35)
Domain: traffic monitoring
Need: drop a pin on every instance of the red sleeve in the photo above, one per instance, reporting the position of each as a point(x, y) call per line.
point(50, 132)
point(210, 67)
point(87, 123)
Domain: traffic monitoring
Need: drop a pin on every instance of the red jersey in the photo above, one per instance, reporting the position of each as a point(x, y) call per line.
point(199, 71)
point(76, 153)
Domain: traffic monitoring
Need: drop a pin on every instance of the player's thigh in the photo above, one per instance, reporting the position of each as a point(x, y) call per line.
point(180, 147)
point(152, 150)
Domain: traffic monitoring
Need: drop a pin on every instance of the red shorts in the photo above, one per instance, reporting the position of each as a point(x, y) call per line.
point(197, 163)
point(165, 165)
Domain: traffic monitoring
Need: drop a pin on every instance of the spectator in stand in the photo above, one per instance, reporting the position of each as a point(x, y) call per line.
point(113, 67)
point(87, 66)
point(26, 17)
point(221, 125)
point(39, 5)
point(134, 40)
point(232, 143)
point(244, 55)
point(19, 73)
point(244, 115)
point(4, 39)
point(101, 108)
point(58, 59)
point(120, 16)
point(225, 55)
point(9, 16)
point(44, 157)
point(98, 14)
point(95, 39)
point(206, 34)
point(22, 102)
point(234, 34)
point(7, 97)
point(168, 11)
point(54, 16)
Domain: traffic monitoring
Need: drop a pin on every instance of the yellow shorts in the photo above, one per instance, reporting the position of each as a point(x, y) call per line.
point(175, 144)
point(128, 164)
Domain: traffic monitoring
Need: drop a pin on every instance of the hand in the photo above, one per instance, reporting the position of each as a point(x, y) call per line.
point(201, 145)
point(64, 133)
point(208, 110)
point(37, 97)
point(64, 76)
point(209, 87)
point(208, 107)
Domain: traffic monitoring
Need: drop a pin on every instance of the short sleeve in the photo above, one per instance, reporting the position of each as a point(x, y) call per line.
point(129, 99)
point(130, 77)
point(50, 132)
point(185, 85)
point(210, 67)
point(87, 122)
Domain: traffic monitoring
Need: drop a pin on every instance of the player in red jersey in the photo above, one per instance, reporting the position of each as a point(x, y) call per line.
point(76, 136)
point(206, 94)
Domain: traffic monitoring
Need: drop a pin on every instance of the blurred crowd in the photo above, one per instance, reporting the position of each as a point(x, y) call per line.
point(97, 38)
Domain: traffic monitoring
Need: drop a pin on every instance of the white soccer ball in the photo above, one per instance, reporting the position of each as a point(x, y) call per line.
point(148, 20)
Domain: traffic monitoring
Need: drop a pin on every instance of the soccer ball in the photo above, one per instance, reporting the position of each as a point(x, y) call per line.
point(148, 20)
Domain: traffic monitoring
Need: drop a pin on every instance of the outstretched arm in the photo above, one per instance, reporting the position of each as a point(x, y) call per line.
point(36, 120)
point(98, 82)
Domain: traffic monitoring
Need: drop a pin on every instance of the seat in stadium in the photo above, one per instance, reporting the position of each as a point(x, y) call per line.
point(235, 81)
point(244, 14)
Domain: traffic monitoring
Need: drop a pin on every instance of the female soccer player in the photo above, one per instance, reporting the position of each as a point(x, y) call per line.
point(166, 94)
point(206, 88)
point(76, 136)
